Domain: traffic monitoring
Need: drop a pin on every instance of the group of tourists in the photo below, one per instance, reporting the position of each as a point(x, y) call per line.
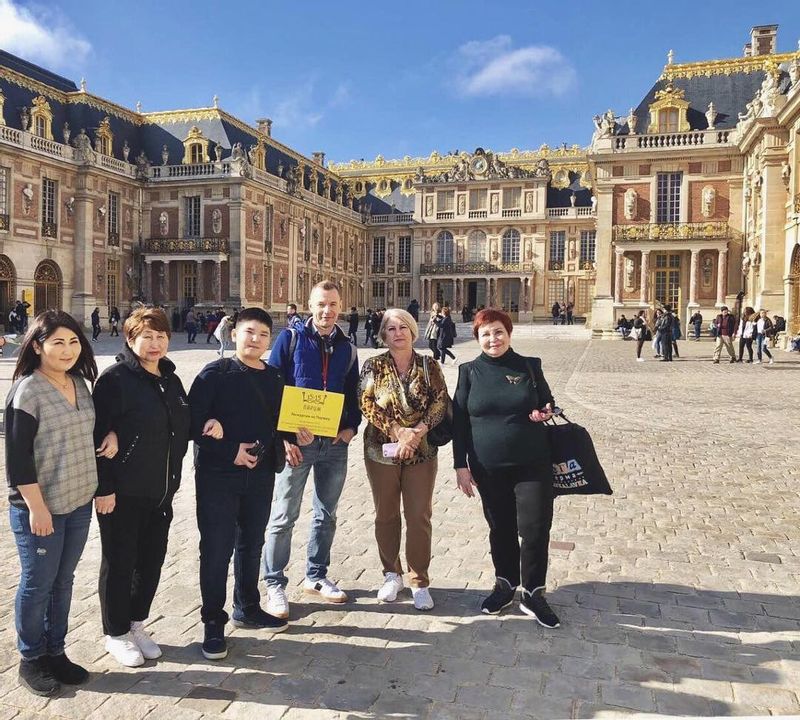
point(562, 313)
point(121, 448)
point(441, 333)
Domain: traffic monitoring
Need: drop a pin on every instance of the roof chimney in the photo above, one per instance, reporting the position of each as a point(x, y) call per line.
point(319, 158)
point(763, 40)
point(264, 126)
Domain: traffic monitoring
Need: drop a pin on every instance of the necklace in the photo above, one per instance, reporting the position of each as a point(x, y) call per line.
point(55, 381)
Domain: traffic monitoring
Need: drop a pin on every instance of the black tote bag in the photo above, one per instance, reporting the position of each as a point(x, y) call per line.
point(576, 469)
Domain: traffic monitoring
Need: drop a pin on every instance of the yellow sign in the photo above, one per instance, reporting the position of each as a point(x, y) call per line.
point(315, 410)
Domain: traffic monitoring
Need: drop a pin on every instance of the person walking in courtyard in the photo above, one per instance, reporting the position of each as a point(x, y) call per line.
point(664, 328)
point(745, 332)
point(402, 396)
point(234, 423)
point(432, 330)
point(96, 329)
point(764, 330)
point(319, 358)
point(113, 321)
point(223, 334)
point(641, 333)
point(190, 325)
point(447, 334)
point(724, 325)
point(657, 333)
point(143, 401)
point(352, 326)
point(696, 321)
point(555, 311)
point(52, 478)
point(501, 446)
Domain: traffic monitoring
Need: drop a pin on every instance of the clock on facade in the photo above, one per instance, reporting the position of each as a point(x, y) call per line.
point(478, 165)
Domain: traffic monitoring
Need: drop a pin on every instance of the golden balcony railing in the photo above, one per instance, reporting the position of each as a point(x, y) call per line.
point(480, 268)
point(674, 231)
point(186, 245)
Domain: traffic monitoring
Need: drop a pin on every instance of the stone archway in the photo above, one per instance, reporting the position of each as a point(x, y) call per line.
point(47, 287)
point(8, 287)
point(794, 285)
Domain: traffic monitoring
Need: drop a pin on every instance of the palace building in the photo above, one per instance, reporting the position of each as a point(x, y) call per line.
point(691, 199)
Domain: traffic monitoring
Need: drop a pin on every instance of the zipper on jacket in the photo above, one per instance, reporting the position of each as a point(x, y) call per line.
point(166, 481)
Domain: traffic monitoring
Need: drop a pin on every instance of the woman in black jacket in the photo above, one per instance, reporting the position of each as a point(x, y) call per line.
point(447, 333)
point(141, 399)
point(501, 446)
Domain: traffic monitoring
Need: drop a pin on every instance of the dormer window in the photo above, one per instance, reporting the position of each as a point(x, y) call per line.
point(42, 118)
point(668, 120)
point(195, 147)
point(668, 111)
point(195, 153)
point(104, 138)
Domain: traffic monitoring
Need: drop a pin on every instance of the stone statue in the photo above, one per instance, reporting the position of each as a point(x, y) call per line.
point(142, 165)
point(572, 199)
point(69, 206)
point(128, 221)
point(66, 133)
point(631, 202)
point(216, 221)
point(529, 202)
point(631, 119)
point(786, 173)
point(251, 154)
point(708, 270)
point(711, 116)
point(164, 155)
point(256, 219)
point(24, 118)
point(594, 205)
point(630, 273)
point(427, 252)
point(794, 71)
point(129, 278)
point(753, 108)
point(708, 201)
point(429, 205)
point(495, 203)
point(163, 223)
point(126, 151)
point(462, 204)
point(83, 147)
point(420, 176)
point(218, 152)
point(162, 282)
point(604, 124)
point(280, 168)
point(745, 263)
point(543, 168)
point(27, 198)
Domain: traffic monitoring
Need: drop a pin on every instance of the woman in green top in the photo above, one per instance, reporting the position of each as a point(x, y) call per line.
point(500, 446)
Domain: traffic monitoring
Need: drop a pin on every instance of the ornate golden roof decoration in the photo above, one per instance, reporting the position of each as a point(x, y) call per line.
point(104, 138)
point(669, 100)
point(729, 66)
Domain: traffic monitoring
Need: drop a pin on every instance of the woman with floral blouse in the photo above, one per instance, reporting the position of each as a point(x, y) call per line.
point(402, 396)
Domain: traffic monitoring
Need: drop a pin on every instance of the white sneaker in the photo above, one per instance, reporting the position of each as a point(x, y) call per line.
point(277, 602)
point(422, 598)
point(392, 584)
point(639, 359)
point(148, 647)
point(124, 650)
point(756, 362)
point(325, 589)
point(772, 361)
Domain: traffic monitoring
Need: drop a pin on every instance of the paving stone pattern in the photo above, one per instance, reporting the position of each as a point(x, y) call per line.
point(678, 595)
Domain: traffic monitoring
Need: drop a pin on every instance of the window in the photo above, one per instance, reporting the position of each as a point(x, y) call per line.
point(588, 246)
point(668, 120)
point(4, 173)
point(195, 153)
point(476, 246)
point(49, 194)
point(379, 254)
point(511, 246)
point(40, 127)
point(266, 298)
point(444, 247)
point(42, 118)
point(193, 216)
point(404, 253)
point(112, 288)
point(477, 199)
point(378, 293)
point(555, 292)
point(269, 223)
point(558, 240)
point(668, 197)
point(445, 200)
point(403, 291)
point(104, 138)
point(511, 198)
point(113, 218)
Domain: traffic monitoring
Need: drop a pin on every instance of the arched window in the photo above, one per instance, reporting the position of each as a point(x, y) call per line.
point(195, 147)
point(42, 118)
point(444, 247)
point(104, 138)
point(47, 284)
point(476, 246)
point(196, 153)
point(511, 246)
point(8, 286)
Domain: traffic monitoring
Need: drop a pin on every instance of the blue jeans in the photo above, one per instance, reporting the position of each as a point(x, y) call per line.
point(697, 328)
point(232, 512)
point(762, 346)
point(45, 586)
point(330, 468)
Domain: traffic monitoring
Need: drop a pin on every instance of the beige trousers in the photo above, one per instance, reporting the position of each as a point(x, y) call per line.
point(414, 484)
point(728, 343)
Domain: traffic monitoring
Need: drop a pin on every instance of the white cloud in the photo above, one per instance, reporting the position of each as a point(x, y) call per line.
point(494, 67)
point(302, 107)
point(41, 36)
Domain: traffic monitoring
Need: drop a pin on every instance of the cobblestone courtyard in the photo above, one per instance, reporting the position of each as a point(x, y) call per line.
point(679, 595)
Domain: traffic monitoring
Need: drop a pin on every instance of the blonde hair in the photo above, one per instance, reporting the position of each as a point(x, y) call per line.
point(403, 316)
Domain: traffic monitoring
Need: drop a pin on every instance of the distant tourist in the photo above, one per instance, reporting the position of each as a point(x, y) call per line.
point(724, 325)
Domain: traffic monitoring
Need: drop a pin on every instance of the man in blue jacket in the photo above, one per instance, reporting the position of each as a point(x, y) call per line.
point(322, 358)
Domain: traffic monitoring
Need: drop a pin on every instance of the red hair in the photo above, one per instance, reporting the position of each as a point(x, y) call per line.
point(490, 315)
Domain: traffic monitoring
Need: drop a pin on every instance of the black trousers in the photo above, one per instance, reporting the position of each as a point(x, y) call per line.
point(96, 330)
point(133, 540)
point(666, 348)
point(746, 343)
point(232, 515)
point(433, 344)
point(518, 503)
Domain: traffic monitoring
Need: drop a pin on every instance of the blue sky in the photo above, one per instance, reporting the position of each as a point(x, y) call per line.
point(358, 79)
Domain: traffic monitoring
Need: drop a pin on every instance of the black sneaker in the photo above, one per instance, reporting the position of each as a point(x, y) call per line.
point(502, 596)
point(214, 645)
point(259, 619)
point(35, 675)
point(536, 606)
point(66, 671)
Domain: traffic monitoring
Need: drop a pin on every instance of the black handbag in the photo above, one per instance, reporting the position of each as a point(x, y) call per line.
point(442, 433)
point(576, 468)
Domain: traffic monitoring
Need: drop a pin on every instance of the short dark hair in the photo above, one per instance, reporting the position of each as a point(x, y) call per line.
point(325, 285)
point(254, 313)
point(145, 317)
point(42, 327)
point(292, 307)
point(490, 315)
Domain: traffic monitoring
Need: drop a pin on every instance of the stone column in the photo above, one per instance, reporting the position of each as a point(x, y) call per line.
point(618, 275)
point(198, 296)
point(694, 270)
point(147, 280)
point(167, 286)
point(82, 302)
point(722, 271)
point(644, 281)
point(216, 282)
